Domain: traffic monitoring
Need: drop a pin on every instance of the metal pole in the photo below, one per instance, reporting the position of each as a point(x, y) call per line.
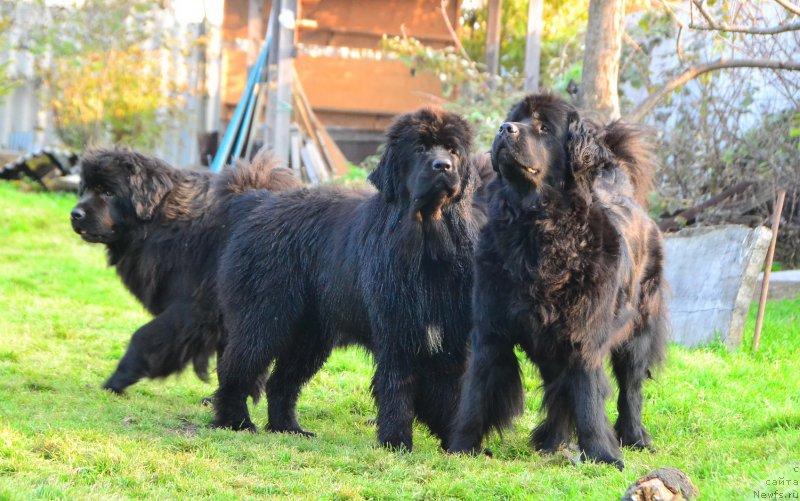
point(287, 19)
point(776, 220)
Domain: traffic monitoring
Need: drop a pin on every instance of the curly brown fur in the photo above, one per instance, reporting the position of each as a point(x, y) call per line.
point(263, 172)
point(569, 268)
point(389, 270)
point(163, 229)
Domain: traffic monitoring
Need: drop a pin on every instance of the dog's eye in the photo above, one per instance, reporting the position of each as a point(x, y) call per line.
point(544, 129)
point(453, 152)
point(420, 148)
point(108, 193)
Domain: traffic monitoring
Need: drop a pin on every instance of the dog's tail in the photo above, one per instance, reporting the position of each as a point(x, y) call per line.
point(634, 152)
point(263, 173)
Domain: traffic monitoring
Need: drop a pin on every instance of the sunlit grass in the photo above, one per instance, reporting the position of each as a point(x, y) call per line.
point(731, 420)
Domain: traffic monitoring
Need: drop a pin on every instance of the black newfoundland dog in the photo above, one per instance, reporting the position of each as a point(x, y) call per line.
point(569, 268)
point(164, 229)
point(308, 270)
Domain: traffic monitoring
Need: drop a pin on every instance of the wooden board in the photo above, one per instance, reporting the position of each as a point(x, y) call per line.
point(361, 24)
point(364, 86)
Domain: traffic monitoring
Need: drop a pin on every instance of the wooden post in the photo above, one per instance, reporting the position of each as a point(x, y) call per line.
point(287, 18)
point(776, 221)
point(533, 45)
point(255, 30)
point(493, 37)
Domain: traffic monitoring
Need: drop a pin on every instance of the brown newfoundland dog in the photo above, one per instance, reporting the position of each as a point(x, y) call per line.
point(569, 268)
point(390, 270)
point(163, 229)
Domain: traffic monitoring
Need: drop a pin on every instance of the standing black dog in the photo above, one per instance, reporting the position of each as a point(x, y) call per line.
point(314, 268)
point(570, 268)
point(164, 229)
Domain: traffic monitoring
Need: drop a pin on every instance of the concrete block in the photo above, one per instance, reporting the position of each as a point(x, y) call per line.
point(712, 272)
point(782, 285)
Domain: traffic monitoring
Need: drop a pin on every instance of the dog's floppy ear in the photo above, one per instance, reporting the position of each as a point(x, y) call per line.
point(586, 151)
point(384, 176)
point(149, 185)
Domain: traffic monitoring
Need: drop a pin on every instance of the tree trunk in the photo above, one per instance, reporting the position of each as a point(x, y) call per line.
point(493, 37)
point(533, 45)
point(599, 85)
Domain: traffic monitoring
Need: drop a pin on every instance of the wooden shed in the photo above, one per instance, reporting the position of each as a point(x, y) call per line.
point(351, 86)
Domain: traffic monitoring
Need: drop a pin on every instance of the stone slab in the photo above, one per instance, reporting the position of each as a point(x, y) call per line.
point(712, 272)
point(782, 285)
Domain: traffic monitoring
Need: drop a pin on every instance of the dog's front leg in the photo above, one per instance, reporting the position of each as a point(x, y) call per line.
point(393, 387)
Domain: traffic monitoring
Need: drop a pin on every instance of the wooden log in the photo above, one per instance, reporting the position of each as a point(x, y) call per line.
point(672, 223)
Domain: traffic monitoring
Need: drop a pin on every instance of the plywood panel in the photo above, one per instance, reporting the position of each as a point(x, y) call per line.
point(364, 86)
point(235, 68)
point(362, 23)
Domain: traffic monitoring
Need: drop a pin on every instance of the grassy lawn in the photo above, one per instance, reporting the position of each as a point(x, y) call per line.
point(730, 420)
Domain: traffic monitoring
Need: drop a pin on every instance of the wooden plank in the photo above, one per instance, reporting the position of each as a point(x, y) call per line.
point(334, 158)
point(294, 139)
point(353, 120)
point(318, 162)
point(366, 86)
point(303, 120)
point(308, 163)
point(362, 23)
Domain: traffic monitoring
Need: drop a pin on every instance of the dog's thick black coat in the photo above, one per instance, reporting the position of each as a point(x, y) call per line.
point(569, 268)
point(391, 271)
point(164, 229)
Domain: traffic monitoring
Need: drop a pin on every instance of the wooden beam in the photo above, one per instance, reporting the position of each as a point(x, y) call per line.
point(533, 45)
point(493, 37)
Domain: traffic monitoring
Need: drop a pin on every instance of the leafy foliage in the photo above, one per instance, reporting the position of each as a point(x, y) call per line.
point(562, 38)
point(7, 83)
point(482, 98)
point(101, 72)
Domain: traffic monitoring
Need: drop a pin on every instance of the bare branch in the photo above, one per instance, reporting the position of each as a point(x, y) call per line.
point(673, 222)
point(781, 28)
point(794, 9)
point(453, 34)
point(681, 27)
point(713, 25)
point(648, 104)
point(707, 15)
point(636, 48)
point(672, 13)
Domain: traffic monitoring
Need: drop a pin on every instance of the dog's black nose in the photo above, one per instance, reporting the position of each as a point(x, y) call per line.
point(77, 214)
point(509, 128)
point(442, 164)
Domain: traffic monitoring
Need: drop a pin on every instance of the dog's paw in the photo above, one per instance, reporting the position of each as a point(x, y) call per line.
point(245, 425)
point(292, 430)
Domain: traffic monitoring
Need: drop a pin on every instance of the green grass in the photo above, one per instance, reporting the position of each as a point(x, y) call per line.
point(730, 420)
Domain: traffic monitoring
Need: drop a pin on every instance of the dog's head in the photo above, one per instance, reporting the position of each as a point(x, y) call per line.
point(545, 145)
point(426, 163)
point(118, 190)
point(528, 150)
